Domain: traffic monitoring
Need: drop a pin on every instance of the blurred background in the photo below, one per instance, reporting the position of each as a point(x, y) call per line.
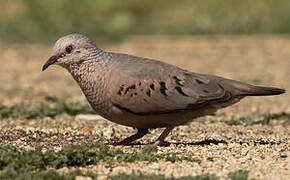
point(23, 21)
point(246, 40)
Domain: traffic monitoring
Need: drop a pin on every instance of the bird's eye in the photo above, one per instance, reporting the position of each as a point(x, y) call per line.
point(68, 49)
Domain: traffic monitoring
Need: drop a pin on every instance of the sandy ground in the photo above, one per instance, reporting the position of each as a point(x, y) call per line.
point(262, 149)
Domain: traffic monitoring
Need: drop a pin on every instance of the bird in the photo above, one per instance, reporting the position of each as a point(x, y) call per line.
point(145, 93)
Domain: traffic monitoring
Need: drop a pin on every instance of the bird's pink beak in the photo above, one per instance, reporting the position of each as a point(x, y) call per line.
point(50, 61)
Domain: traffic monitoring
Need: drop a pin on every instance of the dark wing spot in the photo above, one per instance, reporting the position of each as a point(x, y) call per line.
point(139, 83)
point(133, 94)
point(130, 87)
point(163, 88)
point(178, 89)
point(148, 93)
point(152, 87)
point(199, 81)
point(120, 90)
point(145, 100)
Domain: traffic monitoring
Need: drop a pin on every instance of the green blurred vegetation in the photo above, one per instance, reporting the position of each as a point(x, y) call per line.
point(15, 162)
point(265, 121)
point(110, 20)
point(239, 175)
point(134, 176)
point(52, 107)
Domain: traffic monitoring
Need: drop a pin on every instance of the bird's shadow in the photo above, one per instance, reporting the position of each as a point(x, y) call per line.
point(207, 142)
point(203, 143)
point(198, 143)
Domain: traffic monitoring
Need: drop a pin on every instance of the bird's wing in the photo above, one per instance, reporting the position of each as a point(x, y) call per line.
point(144, 86)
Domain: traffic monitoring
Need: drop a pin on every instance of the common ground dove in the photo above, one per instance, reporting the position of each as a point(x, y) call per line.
point(145, 93)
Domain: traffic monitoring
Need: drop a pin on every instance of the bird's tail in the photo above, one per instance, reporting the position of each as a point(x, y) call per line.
point(252, 90)
point(243, 89)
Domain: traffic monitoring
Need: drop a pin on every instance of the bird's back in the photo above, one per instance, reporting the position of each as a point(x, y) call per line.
point(145, 87)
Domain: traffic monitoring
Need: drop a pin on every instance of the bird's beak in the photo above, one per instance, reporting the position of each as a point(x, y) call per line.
point(50, 61)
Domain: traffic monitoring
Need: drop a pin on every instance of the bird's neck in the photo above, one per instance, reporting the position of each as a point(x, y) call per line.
point(91, 77)
point(81, 72)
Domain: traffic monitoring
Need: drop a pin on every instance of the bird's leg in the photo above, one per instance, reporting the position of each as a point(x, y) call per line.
point(140, 133)
point(160, 141)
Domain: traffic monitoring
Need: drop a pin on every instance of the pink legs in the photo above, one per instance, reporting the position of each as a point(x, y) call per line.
point(160, 141)
point(142, 132)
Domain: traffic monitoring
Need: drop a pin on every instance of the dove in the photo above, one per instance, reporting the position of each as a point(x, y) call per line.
point(145, 93)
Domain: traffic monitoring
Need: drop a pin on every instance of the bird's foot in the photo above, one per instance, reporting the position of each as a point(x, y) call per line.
point(140, 133)
point(157, 143)
point(161, 143)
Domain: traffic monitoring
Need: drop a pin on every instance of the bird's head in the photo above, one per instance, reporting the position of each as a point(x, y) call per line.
point(72, 49)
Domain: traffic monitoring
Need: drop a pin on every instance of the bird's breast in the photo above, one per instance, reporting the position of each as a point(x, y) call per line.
point(93, 83)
